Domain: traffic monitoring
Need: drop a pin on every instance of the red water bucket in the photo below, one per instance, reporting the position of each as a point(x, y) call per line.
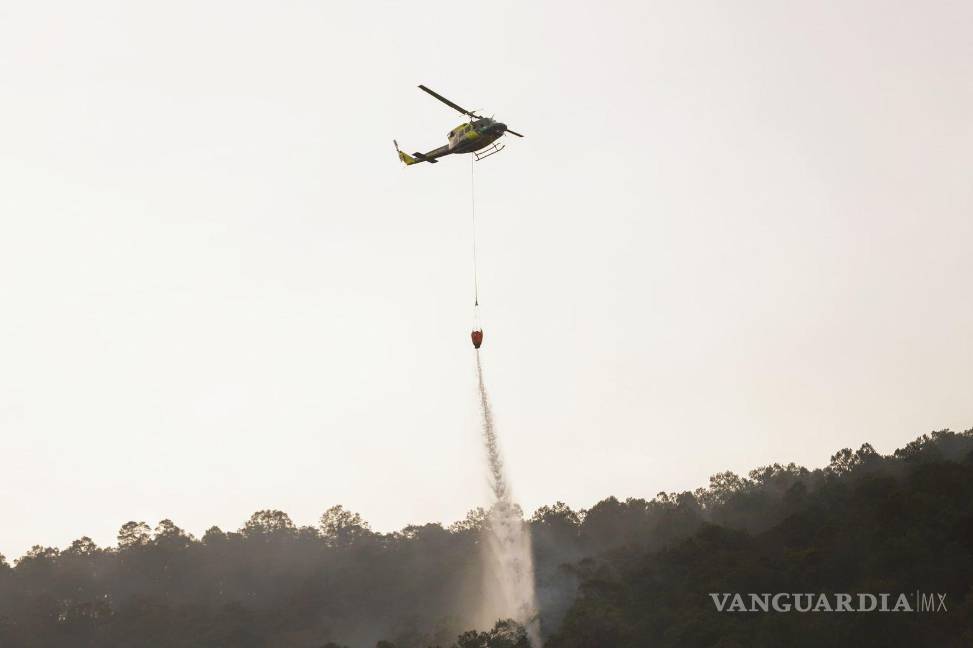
point(477, 337)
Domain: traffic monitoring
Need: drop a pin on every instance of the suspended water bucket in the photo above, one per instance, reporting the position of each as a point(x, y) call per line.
point(477, 337)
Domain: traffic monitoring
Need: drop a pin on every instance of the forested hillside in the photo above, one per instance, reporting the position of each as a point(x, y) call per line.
point(866, 523)
point(627, 574)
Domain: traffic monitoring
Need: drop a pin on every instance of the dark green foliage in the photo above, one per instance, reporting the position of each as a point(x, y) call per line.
point(866, 523)
point(505, 634)
point(623, 574)
point(271, 583)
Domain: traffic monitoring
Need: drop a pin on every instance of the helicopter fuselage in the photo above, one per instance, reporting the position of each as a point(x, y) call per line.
point(472, 136)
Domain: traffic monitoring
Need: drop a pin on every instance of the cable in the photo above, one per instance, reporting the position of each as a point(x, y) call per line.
point(476, 286)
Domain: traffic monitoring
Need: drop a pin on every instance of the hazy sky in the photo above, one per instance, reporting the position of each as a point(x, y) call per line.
point(736, 233)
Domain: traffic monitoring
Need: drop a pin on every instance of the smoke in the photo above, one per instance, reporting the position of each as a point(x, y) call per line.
point(509, 588)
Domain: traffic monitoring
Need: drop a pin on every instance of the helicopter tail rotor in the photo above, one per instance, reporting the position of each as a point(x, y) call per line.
point(405, 157)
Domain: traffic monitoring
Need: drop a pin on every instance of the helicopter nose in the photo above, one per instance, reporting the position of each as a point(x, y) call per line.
point(500, 128)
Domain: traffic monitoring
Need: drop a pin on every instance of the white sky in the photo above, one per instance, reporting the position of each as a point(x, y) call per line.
point(736, 233)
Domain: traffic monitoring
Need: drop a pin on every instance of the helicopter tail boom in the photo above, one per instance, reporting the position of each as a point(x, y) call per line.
point(417, 157)
point(407, 159)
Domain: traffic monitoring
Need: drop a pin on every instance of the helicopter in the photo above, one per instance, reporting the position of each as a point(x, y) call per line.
point(478, 137)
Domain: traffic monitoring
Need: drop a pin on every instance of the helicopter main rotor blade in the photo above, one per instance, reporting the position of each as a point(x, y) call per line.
point(446, 101)
point(514, 133)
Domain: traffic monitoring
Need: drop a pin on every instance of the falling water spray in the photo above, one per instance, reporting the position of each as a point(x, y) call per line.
point(509, 564)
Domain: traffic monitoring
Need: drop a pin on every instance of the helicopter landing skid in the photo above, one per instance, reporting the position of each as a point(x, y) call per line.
point(488, 151)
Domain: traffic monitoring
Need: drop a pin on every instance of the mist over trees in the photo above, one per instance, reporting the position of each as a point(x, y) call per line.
point(865, 523)
point(626, 573)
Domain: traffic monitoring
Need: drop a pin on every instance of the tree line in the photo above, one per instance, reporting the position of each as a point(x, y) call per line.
point(621, 573)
